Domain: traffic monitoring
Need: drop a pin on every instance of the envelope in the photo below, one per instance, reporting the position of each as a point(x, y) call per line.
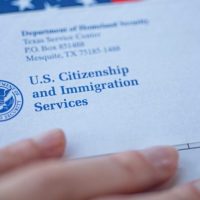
point(113, 77)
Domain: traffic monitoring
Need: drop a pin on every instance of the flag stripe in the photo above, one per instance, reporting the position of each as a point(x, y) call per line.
point(8, 6)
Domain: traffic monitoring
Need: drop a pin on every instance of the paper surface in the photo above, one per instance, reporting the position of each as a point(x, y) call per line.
point(114, 78)
point(189, 166)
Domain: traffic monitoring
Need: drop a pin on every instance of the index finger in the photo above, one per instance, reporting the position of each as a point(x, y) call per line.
point(85, 179)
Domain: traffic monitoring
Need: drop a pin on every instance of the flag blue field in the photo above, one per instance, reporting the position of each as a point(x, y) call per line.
point(9, 6)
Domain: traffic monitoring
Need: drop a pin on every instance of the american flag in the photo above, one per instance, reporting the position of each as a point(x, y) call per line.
point(9, 6)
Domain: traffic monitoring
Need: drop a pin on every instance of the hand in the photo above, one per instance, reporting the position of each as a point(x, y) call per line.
point(35, 170)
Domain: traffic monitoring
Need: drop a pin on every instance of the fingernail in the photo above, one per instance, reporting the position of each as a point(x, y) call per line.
point(196, 185)
point(162, 158)
point(52, 143)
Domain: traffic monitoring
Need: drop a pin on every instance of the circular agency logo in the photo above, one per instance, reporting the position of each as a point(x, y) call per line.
point(11, 101)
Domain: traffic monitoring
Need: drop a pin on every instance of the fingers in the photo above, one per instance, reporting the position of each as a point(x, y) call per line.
point(51, 145)
point(187, 192)
point(85, 179)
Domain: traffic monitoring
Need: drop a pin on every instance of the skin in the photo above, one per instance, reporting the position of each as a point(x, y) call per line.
point(35, 170)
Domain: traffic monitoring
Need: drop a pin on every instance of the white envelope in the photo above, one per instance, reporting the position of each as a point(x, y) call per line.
point(114, 78)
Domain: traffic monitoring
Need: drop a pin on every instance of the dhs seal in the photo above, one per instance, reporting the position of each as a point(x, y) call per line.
point(11, 101)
